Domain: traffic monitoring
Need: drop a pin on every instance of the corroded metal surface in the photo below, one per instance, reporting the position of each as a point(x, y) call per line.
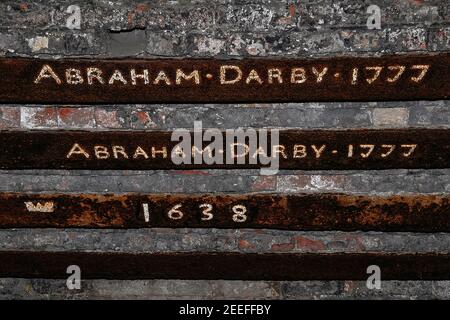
point(235, 266)
point(402, 77)
point(296, 149)
point(420, 213)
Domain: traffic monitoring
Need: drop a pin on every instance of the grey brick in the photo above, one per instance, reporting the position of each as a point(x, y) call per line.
point(441, 289)
point(165, 44)
point(310, 289)
point(439, 39)
point(127, 43)
point(399, 290)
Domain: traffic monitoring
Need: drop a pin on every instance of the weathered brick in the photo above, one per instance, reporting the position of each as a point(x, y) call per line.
point(283, 247)
point(165, 44)
point(441, 289)
point(127, 43)
point(264, 183)
point(363, 41)
point(162, 288)
point(141, 119)
point(390, 117)
point(10, 43)
point(205, 45)
point(406, 39)
point(247, 290)
point(319, 42)
point(69, 43)
point(79, 118)
point(312, 183)
point(245, 45)
point(310, 289)
point(389, 289)
point(427, 116)
point(439, 39)
point(304, 243)
point(38, 43)
point(109, 119)
point(9, 117)
point(80, 43)
point(244, 244)
point(38, 117)
point(353, 242)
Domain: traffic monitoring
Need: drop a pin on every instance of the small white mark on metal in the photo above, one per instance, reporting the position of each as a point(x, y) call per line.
point(146, 212)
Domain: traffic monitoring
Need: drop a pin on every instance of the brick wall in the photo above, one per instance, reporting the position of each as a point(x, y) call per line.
point(223, 28)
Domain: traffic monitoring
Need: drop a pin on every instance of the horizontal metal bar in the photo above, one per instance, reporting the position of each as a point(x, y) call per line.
point(401, 77)
point(417, 213)
point(234, 266)
point(295, 149)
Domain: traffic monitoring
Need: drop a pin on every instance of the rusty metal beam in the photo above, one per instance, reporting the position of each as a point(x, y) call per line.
point(402, 77)
point(296, 149)
point(234, 266)
point(416, 213)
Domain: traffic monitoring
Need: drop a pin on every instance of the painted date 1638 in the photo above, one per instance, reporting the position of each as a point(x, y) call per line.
point(409, 212)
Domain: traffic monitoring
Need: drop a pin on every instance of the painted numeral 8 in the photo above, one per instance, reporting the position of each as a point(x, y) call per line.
point(239, 213)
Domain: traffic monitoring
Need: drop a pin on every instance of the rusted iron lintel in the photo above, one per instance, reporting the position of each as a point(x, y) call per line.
point(296, 149)
point(401, 77)
point(415, 213)
point(234, 266)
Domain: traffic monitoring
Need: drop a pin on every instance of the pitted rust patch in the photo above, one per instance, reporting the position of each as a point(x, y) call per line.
point(302, 149)
point(232, 266)
point(416, 213)
point(402, 77)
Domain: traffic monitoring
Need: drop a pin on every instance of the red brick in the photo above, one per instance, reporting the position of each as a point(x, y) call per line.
point(141, 119)
point(23, 7)
point(309, 244)
point(353, 242)
point(283, 246)
point(76, 117)
point(349, 286)
point(244, 244)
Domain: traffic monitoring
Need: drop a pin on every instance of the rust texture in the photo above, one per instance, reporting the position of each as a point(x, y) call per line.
point(234, 266)
point(402, 77)
point(415, 213)
point(296, 149)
